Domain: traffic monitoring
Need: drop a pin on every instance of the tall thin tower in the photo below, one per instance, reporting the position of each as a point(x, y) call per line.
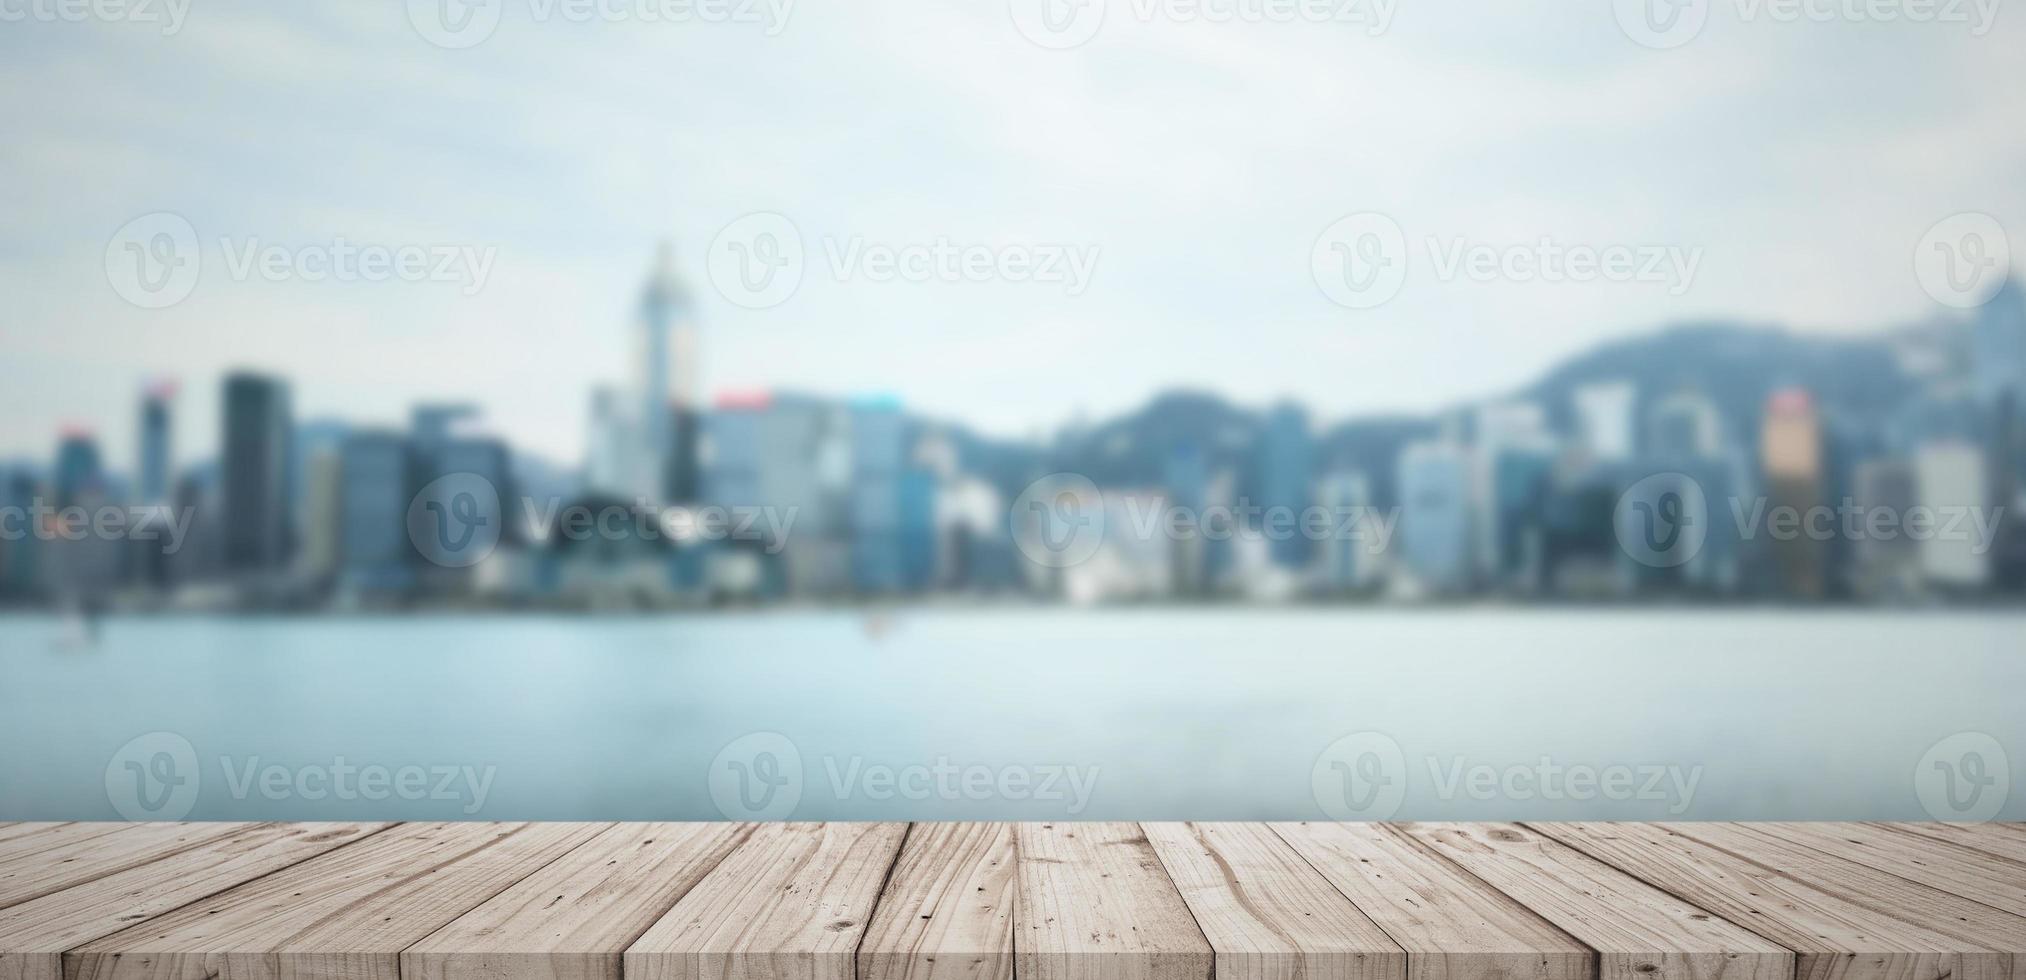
point(668, 371)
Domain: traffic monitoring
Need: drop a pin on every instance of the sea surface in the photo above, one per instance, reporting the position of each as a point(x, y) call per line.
point(1020, 714)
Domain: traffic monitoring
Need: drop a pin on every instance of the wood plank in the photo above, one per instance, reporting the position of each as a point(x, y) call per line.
point(1453, 926)
point(791, 903)
point(574, 919)
point(1637, 929)
point(346, 915)
point(67, 859)
point(1095, 903)
point(1835, 939)
point(1989, 838)
point(947, 911)
point(1911, 901)
point(11, 832)
point(1989, 879)
point(35, 934)
point(1267, 913)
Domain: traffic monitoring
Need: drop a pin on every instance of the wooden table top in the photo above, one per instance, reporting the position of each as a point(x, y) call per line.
point(987, 901)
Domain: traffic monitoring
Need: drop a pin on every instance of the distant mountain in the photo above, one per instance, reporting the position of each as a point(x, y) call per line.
point(1134, 450)
point(1858, 381)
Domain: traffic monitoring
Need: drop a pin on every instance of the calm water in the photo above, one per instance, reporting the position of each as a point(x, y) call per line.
point(1019, 714)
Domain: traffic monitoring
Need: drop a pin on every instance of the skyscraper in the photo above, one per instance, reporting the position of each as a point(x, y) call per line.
point(1684, 425)
point(1435, 515)
point(668, 377)
point(1287, 483)
point(1604, 419)
point(153, 472)
point(880, 444)
point(1791, 453)
point(255, 477)
point(1513, 458)
point(1347, 561)
point(376, 480)
point(1950, 480)
point(1999, 342)
point(78, 470)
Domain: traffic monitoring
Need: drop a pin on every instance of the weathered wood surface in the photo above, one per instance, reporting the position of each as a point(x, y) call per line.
point(980, 901)
point(947, 912)
point(792, 901)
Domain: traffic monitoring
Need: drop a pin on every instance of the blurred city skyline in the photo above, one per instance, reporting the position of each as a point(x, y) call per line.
point(1201, 161)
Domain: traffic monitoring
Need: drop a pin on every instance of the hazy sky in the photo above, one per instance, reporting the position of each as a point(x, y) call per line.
point(1798, 161)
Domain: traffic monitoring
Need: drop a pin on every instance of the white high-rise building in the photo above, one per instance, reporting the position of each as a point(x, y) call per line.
point(1604, 414)
point(633, 437)
point(1435, 515)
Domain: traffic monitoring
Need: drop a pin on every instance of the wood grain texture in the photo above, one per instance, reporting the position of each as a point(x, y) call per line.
point(791, 903)
point(19, 839)
point(1997, 882)
point(1637, 930)
point(1095, 903)
point(574, 919)
point(1999, 839)
point(57, 860)
point(947, 911)
point(1267, 914)
point(34, 934)
point(1047, 901)
point(1834, 939)
point(1861, 884)
point(1452, 925)
point(346, 915)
